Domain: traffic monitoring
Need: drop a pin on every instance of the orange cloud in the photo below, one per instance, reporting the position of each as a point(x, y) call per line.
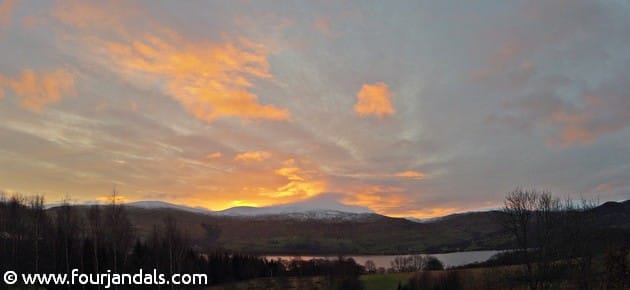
point(253, 156)
point(302, 183)
point(381, 199)
point(392, 201)
point(411, 174)
point(374, 99)
point(39, 89)
point(211, 80)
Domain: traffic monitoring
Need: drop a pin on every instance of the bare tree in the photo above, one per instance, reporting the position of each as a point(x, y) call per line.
point(519, 208)
point(370, 267)
point(118, 230)
point(545, 231)
point(549, 232)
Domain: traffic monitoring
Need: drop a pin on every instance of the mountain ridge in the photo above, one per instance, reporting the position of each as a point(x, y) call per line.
point(361, 234)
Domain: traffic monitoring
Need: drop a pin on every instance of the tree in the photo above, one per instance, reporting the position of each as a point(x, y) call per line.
point(118, 231)
point(433, 264)
point(67, 233)
point(38, 216)
point(213, 232)
point(548, 231)
point(174, 243)
point(519, 207)
point(370, 267)
point(94, 224)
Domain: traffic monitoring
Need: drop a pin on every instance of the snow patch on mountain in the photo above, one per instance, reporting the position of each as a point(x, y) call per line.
point(324, 206)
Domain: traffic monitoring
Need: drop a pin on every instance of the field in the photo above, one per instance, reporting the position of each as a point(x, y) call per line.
point(478, 278)
point(385, 281)
point(371, 282)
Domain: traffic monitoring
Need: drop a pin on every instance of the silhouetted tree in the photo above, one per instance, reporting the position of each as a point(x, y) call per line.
point(38, 224)
point(432, 264)
point(118, 231)
point(370, 267)
point(519, 208)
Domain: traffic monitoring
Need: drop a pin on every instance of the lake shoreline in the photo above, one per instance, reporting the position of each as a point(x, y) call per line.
point(450, 259)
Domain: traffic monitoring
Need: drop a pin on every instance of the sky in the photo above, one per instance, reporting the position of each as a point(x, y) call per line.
point(410, 108)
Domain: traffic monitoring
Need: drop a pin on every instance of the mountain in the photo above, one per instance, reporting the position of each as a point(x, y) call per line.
point(284, 230)
point(324, 206)
point(165, 205)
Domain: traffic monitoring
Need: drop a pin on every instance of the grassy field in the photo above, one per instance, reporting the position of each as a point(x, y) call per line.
point(385, 281)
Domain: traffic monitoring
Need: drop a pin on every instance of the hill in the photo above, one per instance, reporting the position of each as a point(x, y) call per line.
point(335, 232)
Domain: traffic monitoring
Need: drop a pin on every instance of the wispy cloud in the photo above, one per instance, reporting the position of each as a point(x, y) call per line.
point(411, 175)
point(214, 155)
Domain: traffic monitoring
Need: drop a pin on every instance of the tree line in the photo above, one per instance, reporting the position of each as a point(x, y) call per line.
point(101, 238)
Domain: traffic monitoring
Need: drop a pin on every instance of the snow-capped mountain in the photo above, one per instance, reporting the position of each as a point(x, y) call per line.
point(321, 206)
point(293, 213)
point(325, 206)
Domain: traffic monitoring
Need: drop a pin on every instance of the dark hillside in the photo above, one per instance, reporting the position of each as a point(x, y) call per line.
point(354, 234)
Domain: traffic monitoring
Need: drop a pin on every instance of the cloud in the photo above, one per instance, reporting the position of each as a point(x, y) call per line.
point(210, 79)
point(411, 174)
point(597, 117)
point(214, 155)
point(302, 183)
point(322, 25)
point(37, 89)
point(115, 17)
point(374, 99)
point(381, 199)
point(253, 156)
point(6, 12)
point(565, 122)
